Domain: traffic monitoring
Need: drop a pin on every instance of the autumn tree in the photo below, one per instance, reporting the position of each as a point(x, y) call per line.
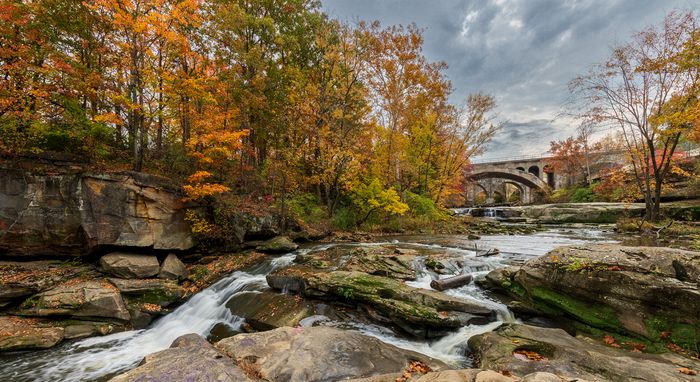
point(632, 89)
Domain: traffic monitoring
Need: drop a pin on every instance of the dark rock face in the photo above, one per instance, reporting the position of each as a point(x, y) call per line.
point(68, 213)
point(572, 358)
point(318, 354)
point(649, 293)
point(189, 358)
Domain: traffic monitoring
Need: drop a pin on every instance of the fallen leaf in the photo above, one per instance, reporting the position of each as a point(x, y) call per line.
point(687, 371)
point(528, 354)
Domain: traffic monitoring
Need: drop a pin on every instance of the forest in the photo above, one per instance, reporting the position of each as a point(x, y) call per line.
point(268, 100)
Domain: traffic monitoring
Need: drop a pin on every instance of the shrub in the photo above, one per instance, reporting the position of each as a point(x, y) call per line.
point(582, 195)
point(305, 206)
point(344, 218)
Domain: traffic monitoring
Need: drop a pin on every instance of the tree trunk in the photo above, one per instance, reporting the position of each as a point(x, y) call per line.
point(451, 282)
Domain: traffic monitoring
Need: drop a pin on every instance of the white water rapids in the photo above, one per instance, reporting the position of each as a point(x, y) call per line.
point(98, 358)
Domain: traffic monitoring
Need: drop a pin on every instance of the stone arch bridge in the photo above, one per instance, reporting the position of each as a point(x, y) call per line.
point(530, 177)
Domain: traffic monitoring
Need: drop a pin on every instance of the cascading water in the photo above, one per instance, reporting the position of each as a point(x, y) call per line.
point(98, 358)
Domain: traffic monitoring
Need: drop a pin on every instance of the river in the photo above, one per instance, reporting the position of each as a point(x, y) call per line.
point(99, 358)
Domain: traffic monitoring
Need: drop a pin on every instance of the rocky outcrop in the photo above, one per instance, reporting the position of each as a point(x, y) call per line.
point(318, 354)
point(172, 268)
point(129, 265)
point(420, 312)
point(523, 349)
point(652, 294)
point(68, 212)
point(277, 245)
point(189, 358)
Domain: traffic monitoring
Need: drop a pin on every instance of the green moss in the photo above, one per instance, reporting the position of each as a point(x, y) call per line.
point(595, 315)
point(687, 336)
point(514, 287)
point(623, 340)
point(198, 273)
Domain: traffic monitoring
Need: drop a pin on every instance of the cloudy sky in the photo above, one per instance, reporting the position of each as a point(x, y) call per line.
point(524, 52)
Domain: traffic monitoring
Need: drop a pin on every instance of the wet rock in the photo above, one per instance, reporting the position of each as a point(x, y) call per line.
point(269, 310)
point(632, 291)
point(130, 266)
point(318, 354)
point(17, 333)
point(420, 312)
point(570, 357)
point(96, 298)
point(277, 245)
point(189, 358)
point(64, 212)
point(172, 268)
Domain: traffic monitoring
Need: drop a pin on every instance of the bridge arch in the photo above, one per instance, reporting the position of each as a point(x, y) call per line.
point(534, 170)
point(527, 179)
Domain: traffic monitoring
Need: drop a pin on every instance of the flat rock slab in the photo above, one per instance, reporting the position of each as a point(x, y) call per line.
point(573, 358)
point(95, 298)
point(318, 354)
point(420, 312)
point(18, 333)
point(464, 375)
point(130, 266)
point(189, 358)
point(21, 279)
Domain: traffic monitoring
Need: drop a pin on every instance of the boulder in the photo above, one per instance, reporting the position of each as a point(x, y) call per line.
point(269, 310)
point(524, 349)
point(420, 312)
point(129, 265)
point(649, 293)
point(172, 268)
point(95, 298)
point(318, 354)
point(189, 358)
point(63, 211)
point(277, 245)
point(18, 333)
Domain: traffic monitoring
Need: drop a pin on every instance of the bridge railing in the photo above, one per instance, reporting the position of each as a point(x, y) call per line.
point(511, 159)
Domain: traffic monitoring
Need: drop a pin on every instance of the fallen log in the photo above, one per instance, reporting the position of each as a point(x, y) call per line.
point(451, 282)
point(490, 252)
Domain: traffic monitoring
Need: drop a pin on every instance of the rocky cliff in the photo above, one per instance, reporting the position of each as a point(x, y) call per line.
point(70, 212)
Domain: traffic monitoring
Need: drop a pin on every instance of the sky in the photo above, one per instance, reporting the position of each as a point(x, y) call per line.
point(523, 52)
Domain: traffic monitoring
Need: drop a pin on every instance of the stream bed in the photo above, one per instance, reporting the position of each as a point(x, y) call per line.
point(100, 358)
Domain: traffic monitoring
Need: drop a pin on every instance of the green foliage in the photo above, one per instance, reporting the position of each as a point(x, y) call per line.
point(420, 205)
point(372, 196)
point(582, 195)
point(305, 206)
point(344, 218)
